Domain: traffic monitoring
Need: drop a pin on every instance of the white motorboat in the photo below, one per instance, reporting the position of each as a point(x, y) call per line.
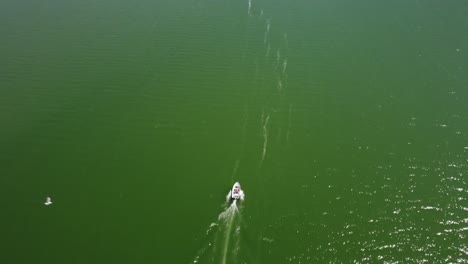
point(236, 192)
point(48, 201)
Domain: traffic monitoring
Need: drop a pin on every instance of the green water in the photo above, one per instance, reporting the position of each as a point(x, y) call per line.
point(346, 123)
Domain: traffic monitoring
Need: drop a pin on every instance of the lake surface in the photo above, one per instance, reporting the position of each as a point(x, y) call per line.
point(346, 123)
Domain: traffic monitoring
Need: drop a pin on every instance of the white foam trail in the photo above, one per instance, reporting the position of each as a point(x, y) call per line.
point(280, 85)
point(228, 217)
point(267, 31)
point(285, 64)
point(230, 211)
point(265, 138)
point(226, 242)
point(228, 221)
point(268, 50)
point(250, 7)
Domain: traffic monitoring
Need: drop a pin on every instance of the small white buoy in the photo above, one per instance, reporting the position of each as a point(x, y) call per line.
point(48, 201)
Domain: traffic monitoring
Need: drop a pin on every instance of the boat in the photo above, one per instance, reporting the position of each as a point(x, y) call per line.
point(48, 201)
point(236, 192)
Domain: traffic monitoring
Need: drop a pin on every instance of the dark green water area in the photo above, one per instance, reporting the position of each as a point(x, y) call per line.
point(345, 122)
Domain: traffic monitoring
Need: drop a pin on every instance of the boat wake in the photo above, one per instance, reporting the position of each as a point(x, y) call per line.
point(227, 218)
point(224, 238)
point(229, 212)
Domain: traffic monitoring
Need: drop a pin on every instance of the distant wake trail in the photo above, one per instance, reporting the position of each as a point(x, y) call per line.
point(265, 138)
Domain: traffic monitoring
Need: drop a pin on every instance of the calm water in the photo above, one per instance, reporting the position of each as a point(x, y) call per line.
point(346, 123)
